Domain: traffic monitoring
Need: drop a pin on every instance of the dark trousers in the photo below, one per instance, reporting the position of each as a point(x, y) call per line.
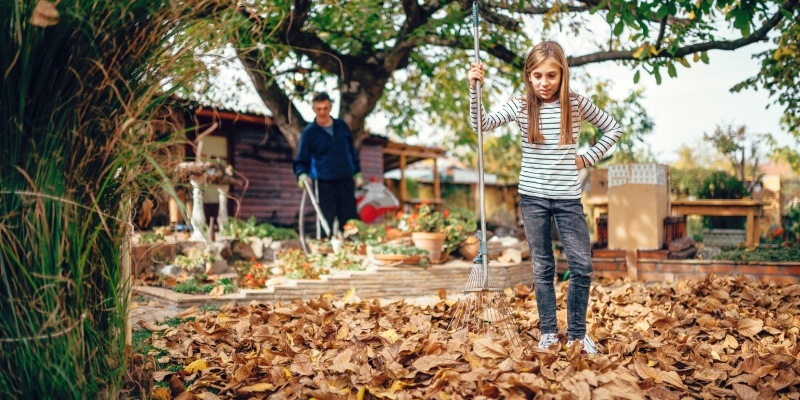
point(574, 232)
point(337, 200)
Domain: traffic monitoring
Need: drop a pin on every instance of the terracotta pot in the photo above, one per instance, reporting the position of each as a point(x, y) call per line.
point(469, 250)
point(431, 241)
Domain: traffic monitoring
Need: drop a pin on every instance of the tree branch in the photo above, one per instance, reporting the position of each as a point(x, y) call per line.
point(290, 33)
point(758, 35)
point(466, 43)
point(284, 113)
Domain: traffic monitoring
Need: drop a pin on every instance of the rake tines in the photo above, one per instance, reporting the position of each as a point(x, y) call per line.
point(484, 311)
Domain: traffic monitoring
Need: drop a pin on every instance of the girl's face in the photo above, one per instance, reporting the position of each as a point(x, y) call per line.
point(546, 80)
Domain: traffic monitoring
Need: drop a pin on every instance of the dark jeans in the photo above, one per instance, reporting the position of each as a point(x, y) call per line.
point(337, 200)
point(574, 232)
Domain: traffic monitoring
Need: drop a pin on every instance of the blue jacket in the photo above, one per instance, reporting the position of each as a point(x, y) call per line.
point(324, 157)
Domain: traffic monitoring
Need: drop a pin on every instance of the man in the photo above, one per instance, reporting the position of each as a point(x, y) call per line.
point(326, 153)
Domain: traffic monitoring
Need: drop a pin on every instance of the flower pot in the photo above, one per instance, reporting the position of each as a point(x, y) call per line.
point(469, 249)
point(431, 241)
point(401, 258)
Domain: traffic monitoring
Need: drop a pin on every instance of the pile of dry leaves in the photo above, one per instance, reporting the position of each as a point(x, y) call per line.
point(720, 337)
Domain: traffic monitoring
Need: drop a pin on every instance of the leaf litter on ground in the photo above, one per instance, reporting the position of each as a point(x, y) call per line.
point(720, 337)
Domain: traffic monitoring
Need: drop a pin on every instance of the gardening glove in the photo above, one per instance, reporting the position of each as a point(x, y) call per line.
point(358, 180)
point(301, 181)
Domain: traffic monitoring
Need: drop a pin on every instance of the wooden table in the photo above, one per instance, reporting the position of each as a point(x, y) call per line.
point(751, 209)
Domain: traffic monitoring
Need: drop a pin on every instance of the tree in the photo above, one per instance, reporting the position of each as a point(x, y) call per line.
point(81, 88)
point(408, 57)
point(742, 150)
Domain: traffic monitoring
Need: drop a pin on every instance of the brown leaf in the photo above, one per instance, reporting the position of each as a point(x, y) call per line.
point(488, 348)
point(151, 327)
point(257, 388)
point(217, 291)
point(44, 14)
point(645, 371)
point(161, 393)
point(750, 326)
point(176, 385)
point(579, 389)
point(186, 396)
point(673, 379)
point(207, 396)
point(745, 392)
point(427, 363)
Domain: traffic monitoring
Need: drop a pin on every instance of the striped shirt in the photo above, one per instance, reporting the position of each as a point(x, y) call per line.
point(549, 170)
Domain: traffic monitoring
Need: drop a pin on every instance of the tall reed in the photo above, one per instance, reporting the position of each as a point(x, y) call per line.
point(75, 146)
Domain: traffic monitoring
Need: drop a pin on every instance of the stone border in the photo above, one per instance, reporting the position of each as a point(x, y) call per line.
point(374, 283)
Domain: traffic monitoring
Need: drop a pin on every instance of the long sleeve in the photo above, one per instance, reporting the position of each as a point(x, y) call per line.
point(599, 118)
point(507, 113)
point(353, 152)
point(303, 159)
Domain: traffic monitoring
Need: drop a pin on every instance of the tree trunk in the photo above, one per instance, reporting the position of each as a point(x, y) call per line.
point(284, 113)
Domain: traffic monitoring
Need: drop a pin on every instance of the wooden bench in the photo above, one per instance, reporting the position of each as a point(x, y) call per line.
point(751, 209)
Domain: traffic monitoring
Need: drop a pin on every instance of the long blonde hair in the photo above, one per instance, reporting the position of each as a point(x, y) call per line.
point(539, 54)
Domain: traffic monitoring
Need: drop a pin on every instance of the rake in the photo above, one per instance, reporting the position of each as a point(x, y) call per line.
point(483, 311)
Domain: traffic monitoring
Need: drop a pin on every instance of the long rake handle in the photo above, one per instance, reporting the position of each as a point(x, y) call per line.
point(481, 197)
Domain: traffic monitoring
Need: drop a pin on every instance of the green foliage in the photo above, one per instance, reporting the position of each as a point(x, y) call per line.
point(150, 238)
point(780, 66)
point(400, 250)
point(197, 286)
point(722, 185)
point(460, 223)
point(761, 254)
point(244, 229)
point(743, 150)
point(425, 219)
point(793, 220)
point(361, 232)
point(688, 182)
point(296, 265)
point(412, 188)
point(195, 258)
point(502, 156)
point(629, 112)
point(76, 145)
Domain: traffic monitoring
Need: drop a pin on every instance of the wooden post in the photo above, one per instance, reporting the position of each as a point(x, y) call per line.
point(403, 195)
point(437, 190)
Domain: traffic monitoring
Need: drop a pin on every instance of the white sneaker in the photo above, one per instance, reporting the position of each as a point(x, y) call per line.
point(589, 347)
point(547, 339)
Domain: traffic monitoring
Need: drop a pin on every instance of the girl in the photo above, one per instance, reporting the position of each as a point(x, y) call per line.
point(548, 180)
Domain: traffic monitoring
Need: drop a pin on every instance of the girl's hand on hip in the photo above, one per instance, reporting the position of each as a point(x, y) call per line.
point(579, 163)
point(475, 74)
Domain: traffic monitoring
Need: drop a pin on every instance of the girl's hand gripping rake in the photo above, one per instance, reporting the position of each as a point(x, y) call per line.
point(484, 309)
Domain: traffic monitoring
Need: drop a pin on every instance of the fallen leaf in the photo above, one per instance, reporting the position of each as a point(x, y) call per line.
point(217, 291)
point(161, 393)
point(750, 326)
point(488, 348)
point(152, 328)
point(258, 388)
point(196, 366)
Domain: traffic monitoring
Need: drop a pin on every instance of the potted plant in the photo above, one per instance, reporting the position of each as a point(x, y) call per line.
point(363, 234)
point(406, 255)
point(427, 227)
point(460, 226)
point(196, 259)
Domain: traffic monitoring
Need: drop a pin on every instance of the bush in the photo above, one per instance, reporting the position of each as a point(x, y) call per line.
point(722, 185)
point(761, 254)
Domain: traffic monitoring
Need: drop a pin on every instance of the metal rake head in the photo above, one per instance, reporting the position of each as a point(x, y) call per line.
point(484, 311)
